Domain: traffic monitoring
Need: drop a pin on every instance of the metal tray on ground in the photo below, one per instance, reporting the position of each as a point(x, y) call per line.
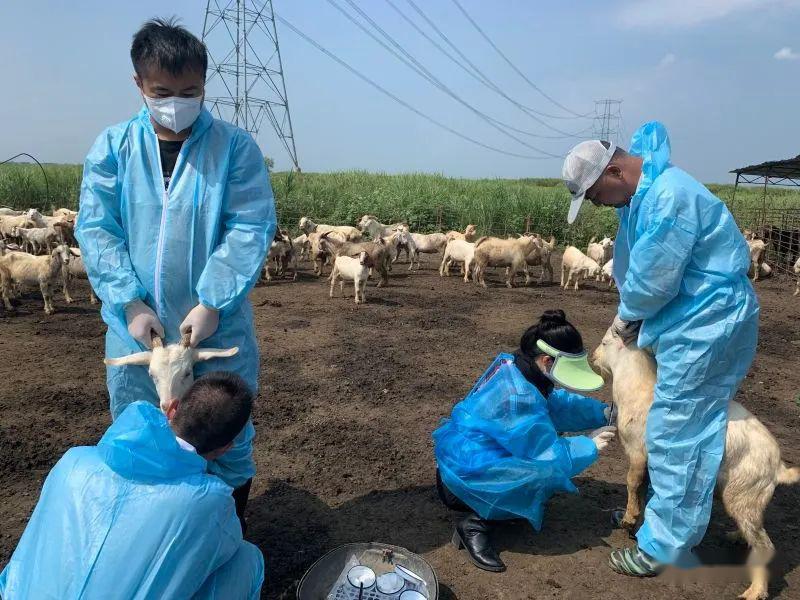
point(318, 580)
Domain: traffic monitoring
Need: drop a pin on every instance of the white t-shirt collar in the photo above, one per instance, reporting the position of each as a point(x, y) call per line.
point(185, 445)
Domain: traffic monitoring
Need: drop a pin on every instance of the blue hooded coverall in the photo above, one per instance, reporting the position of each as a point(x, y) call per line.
point(500, 452)
point(203, 240)
point(134, 517)
point(681, 263)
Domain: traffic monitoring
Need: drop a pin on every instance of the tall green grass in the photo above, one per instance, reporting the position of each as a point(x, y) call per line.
point(426, 202)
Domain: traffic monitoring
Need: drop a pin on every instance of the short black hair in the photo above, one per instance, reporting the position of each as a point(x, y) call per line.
point(163, 44)
point(213, 411)
point(554, 329)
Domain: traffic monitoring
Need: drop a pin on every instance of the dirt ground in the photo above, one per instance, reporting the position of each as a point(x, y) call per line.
point(348, 401)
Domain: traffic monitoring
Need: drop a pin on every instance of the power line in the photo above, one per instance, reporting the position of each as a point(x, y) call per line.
point(420, 69)
point(403, 103)
point(476, 73)
point(511, 64)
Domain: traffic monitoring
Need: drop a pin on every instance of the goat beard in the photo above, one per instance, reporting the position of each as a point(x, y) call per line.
point(531, 371)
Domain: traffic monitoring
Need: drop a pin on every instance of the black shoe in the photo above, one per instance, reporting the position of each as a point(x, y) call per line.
point(472, 533)
point(240, 497)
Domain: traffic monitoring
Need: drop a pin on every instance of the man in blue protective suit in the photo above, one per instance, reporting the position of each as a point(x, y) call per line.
point(138, 515)
point(176, 216)
point(680, 263)
point(500, 455)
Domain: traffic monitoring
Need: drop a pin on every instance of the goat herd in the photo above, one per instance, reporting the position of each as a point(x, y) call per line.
point(41, 251)
point(38, 250)
point(353, 258)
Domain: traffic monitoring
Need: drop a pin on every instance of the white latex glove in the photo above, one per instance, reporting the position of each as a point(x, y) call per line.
point(603, 436)
point(628, 331)
point(202, 322)
point(143, 323)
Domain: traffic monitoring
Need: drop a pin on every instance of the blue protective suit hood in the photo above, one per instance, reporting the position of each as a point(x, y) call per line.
point(500, 452)
point(141, 445)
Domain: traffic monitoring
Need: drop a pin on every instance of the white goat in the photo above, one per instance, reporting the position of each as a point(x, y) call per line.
point(347, 268)
point(351, 234)
point(608, 274)
point(23, 268)
point(797, 272)
point(426, 243)
point(468, 235)
point(541, 255)
point(575, 265)
point(400, 238)
point(171, 366)
point(301, 246)
point(497, 252)
point(65, 212)
point(38, 239)
point(376, 229)
point(602, 251)
point(758, 251)
point(457, 251)
point(750, 469)
point(8, 224)
point(10, 212)
point(75, 270)
point(281, 253)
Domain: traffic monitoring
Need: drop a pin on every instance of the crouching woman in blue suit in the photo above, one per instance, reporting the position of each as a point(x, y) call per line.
point(500, 455)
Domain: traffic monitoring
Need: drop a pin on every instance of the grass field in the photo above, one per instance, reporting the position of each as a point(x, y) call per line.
point(426, 202)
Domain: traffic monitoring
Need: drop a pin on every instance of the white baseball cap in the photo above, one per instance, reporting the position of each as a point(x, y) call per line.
point(583, 166)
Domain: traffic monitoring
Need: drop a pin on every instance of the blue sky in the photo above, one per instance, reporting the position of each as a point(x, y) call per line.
point(724, 75)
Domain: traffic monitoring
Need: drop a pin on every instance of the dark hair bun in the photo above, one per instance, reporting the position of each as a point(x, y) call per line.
point(555, 317)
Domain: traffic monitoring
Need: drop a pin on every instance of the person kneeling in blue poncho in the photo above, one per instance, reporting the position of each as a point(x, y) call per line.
point(500, 455)
point(138, 515)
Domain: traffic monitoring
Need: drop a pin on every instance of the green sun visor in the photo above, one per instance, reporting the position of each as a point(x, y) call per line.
point(571, 370)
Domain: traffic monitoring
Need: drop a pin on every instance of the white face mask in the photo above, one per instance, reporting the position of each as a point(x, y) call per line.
point(174, 113)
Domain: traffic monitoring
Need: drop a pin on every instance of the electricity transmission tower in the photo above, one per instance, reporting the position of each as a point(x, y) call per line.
point(245, 68)
point(607, 120)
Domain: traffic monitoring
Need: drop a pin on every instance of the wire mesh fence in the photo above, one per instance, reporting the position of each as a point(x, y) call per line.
point(780, 227)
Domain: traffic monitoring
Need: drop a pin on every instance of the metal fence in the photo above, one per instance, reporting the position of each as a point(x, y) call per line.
point(778, 226)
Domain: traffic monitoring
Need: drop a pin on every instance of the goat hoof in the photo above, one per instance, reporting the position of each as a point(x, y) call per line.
point(735, 537)
point(754, 593)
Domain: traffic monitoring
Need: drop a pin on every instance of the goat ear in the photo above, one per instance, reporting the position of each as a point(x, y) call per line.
point(209, 353)
point(139, 358)
point(74, 252)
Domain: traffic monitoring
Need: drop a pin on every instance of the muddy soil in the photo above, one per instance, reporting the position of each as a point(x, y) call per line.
point(349, 397)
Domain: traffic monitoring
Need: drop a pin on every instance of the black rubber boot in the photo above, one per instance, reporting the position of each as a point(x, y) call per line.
point(472, 533)
point(240, 496)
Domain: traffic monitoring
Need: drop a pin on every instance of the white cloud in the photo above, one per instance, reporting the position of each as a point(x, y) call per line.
point(667, 60)
point(786, 53)
point(687, 13)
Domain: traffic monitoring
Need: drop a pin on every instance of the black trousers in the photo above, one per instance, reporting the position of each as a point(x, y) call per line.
point(448, 498)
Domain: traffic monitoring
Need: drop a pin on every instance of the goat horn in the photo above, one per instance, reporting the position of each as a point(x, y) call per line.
point(186, 339)
point(157, 341)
